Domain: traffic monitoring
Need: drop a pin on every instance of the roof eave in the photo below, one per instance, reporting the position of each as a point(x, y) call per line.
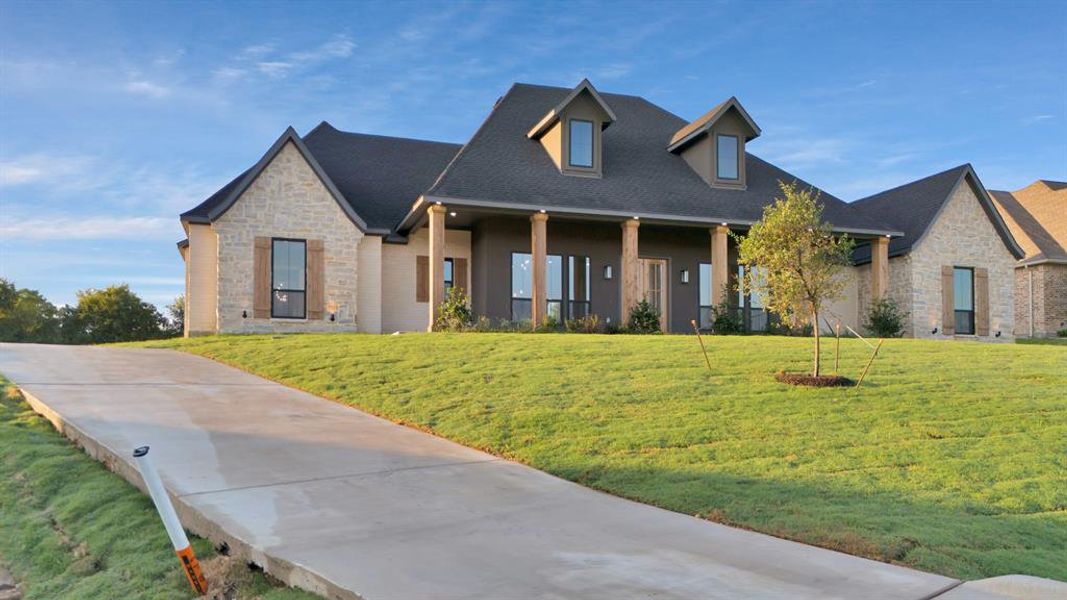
point(552, 116)
point(697, 133)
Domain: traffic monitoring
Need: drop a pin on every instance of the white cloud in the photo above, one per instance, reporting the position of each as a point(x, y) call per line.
point(1037, 119)
point(796, 153)
point(274, 68)
point(228, 73)
point(58, 227)
point(36, 168)
point(341, 46)
point(147, 88)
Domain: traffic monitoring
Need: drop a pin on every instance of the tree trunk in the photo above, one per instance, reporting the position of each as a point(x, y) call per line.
point(815, 332)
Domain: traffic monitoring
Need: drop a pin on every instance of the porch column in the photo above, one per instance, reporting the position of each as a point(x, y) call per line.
point(630, 269)
point(879, 267)
point(437, 261)
point(539, 257)
point(720, 270)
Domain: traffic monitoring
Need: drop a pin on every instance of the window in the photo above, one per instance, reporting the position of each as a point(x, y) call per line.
point(704, 279)
point(578, 287)
point(726, 156)
point(522, 286)
point(581, 143)
point(752, 311)
point(963, 298)
point(288, 282)
point(449, 277)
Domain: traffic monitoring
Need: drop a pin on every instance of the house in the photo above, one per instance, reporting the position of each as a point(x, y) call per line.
point(953, 269)
point(1037, 217)
point(565, 202)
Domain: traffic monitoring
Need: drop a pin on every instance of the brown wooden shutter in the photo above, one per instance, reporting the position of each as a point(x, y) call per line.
point(261, 279)
point(459, 274)
point(948, 306)
point(981, 301)
point(422, 279)
point(316, 279)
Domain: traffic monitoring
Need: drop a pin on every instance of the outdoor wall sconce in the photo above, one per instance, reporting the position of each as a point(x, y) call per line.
point(244, 314)
point(607, 271)
point(685, 275)
point(333, 317)
point(998, 334)
point(934, 332)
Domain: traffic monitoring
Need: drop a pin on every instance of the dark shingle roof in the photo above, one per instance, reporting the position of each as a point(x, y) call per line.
point(500, 164)
point(379, 177)
point(914, 206)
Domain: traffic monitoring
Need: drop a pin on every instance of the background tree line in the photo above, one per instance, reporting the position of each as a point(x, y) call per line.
point(112, 314)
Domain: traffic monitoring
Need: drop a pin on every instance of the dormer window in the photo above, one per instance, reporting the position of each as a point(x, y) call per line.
point(572, 132)
point(726, 156)
point(581, 143)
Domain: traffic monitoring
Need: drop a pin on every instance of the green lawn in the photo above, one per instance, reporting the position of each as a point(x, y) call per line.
point(1058, 341)
point(951, 458)
point(69, 528)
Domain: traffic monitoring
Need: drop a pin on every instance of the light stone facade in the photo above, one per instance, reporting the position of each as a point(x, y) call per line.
point(287, 200)
point(963, 236)
point(400, 310)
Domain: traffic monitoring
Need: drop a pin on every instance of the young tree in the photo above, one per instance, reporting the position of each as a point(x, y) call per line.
point(176, 318)
point(113, 314)
point(798, 256)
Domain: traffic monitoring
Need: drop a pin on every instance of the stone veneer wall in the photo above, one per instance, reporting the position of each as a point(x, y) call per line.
point(1049, 299)
point(900, 290)
point(286, 200)
point(962, 236)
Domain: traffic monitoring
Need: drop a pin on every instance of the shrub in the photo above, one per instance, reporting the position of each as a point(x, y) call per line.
point(455, 313)
point(1062, 332)
point(644, 318)
point(549, 324)
point(725, 319)
point(885, 318)
point(586, 324)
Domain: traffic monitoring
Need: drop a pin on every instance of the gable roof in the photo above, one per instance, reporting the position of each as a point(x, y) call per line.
point(373, 178)
point(500, 167)
point(914, 206)
point(1037, 217)
point(695, 129)
point(552, 116)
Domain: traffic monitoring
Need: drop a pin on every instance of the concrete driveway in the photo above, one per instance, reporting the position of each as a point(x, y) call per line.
point(351, 506)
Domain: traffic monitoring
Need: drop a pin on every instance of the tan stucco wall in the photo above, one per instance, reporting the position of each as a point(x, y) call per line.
point(369, 290)
point(201, 281)
point(400, 311)
point(1049, 304)
point(962, 236)
point(700, 155)
point(286, 200)
point(846, 308)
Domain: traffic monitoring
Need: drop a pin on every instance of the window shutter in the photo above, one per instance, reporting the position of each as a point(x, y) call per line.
point(459, 274)
point(948, 306)
point(316, 279)
point(422, 279)
point(261, 279)
point(981, 301)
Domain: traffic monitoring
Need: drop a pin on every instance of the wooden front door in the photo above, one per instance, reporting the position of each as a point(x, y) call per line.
point(654, 283)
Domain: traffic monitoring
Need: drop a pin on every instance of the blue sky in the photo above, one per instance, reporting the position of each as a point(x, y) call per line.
point(114, 118)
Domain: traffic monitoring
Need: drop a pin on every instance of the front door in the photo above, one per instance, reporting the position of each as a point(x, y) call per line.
point(654, 282)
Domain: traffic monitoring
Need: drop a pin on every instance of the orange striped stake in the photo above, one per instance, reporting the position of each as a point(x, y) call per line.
point(192, 569)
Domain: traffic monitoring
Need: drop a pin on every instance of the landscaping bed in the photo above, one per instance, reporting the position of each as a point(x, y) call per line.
point(951, 457)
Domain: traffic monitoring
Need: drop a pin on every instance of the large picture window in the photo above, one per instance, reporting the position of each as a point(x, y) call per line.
point(578, 287)
point(288, 279)
point(581, 143)
point(522, 286)
point(963, 298)
point(726, 156)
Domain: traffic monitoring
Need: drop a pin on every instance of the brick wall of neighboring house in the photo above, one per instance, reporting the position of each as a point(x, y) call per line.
point(286, 200)
point(961, 236)
point(400, 310)
point(1049, 307)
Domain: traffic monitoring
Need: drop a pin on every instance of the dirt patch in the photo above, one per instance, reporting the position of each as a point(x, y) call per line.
point(230, 579)
point(811, 380)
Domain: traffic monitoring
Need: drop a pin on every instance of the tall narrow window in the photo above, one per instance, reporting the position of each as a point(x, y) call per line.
point(963, 297)
point(726, 156)
point(578, 288)
point(554, 286)
point(522, 285)
point(449, 277)
point(288, 279)
point(581, 143)
point(705, 295)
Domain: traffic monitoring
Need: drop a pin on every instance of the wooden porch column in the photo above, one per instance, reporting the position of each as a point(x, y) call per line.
point(437, 261)
point(539, 258)
point(720, 271)
point(630, 269)
point(879, 267)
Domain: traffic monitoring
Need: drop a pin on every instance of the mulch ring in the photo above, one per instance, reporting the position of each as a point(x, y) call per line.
point(810, 380)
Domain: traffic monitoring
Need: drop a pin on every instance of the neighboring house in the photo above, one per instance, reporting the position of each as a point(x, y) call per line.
point(565, 202)
point(1037, 217)
point(953, 270)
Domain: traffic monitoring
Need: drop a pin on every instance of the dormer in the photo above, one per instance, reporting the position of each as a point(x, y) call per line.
point(714, 144)
point(571, 132)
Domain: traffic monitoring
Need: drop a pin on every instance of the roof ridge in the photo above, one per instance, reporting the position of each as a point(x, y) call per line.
point(376, 135)
point(913, 182)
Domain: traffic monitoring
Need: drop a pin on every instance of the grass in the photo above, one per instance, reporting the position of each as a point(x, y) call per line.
point(69, 528)
point(1057, 341)
point(951, 458)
